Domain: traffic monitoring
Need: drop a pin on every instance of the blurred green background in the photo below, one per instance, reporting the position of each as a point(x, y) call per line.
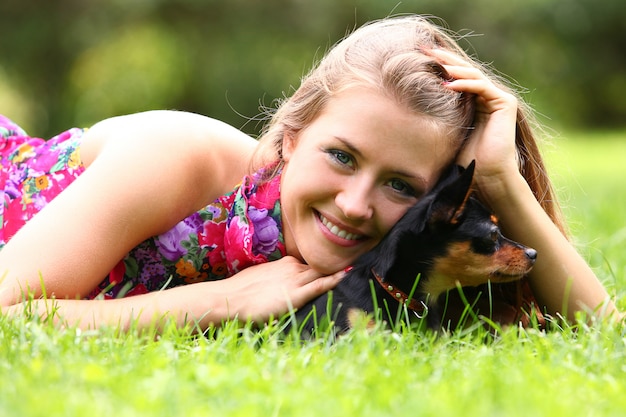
point(73, 62)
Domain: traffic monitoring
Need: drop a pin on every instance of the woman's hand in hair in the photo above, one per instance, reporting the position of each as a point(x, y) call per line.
point(492, 143)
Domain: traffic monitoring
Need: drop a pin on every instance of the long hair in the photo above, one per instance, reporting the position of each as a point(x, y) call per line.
point(388, 56)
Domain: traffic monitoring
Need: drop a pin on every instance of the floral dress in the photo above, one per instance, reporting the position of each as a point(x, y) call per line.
point(237, 230)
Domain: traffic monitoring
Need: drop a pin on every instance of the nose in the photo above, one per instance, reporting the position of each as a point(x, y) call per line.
point(531, 254)
point(355, 200)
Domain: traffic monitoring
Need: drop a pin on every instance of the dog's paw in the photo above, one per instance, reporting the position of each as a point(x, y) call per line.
point(359, 319)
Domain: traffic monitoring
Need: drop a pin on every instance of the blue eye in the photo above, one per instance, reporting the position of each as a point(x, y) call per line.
point(341, 157)
point(401, 187)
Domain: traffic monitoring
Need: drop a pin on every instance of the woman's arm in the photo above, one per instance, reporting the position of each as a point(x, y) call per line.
point(257, 294)
point(561, 279)
point(145, 172)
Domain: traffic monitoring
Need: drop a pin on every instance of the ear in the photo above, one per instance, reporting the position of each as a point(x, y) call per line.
point(288, 145)
point(448, 205)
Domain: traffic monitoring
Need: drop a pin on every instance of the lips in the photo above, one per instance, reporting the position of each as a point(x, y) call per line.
point(339, 232)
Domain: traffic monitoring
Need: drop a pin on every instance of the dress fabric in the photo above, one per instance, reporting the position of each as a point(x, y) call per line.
point(237, 230)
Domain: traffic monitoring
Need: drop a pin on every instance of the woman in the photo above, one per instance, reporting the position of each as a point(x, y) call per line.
point(367, 133)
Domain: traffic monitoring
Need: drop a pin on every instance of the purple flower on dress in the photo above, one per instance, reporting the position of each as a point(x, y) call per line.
point(11, 190)
point(170, 242)
point(266, 232)
point(213, 210)
point(195, 222)
point(152, 271)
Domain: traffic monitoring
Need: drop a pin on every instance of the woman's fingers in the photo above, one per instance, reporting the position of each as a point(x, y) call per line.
point(309, 284)
point(446, 57)
point(489, 96)
point(321, 284)
point(492, 143)
point(466, 77)
point(272, 289)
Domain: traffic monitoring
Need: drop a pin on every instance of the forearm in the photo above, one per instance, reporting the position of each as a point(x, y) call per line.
point(187, 305)
point(257, 293)
point(561, 279)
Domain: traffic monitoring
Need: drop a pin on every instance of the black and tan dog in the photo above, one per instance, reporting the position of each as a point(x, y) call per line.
point(448, 239)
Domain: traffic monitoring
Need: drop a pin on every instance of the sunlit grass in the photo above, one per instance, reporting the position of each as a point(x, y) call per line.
point(574, 370)
point(590, 173)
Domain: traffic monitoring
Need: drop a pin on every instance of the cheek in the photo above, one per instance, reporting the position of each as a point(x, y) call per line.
point(389, 214)
point(289, 189)
point(298, 190)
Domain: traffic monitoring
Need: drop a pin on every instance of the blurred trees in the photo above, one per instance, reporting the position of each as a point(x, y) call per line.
point(73, 62)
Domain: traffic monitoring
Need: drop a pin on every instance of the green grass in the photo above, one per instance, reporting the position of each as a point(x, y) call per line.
point(590, 174)
point(574, 371)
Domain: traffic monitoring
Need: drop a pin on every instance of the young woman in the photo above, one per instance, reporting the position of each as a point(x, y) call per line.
point(132, 206)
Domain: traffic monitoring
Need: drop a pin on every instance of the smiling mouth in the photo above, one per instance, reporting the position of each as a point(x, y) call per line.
point(335, 230)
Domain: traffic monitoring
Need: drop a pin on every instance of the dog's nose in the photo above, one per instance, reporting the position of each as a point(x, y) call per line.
point(531, 254)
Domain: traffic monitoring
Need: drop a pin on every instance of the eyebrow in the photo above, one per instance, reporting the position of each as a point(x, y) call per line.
point(418, 178)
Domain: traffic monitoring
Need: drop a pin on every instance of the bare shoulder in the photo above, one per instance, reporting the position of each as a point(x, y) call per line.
point(145, 173)
point(164, 127)
point(175, 147)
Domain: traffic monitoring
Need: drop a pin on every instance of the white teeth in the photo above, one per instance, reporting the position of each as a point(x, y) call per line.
point(337, 231)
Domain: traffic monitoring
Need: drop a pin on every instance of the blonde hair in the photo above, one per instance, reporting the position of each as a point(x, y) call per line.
point(388, 56)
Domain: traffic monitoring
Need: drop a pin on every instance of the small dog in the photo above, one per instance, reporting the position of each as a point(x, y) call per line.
point(447, 239)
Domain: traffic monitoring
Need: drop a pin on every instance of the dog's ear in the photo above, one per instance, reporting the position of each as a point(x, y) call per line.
point(448, 205)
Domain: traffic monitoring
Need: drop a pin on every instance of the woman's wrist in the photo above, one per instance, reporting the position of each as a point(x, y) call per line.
point(502, 192)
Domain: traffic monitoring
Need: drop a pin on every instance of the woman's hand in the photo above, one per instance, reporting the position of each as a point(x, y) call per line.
point(561, 279)
point(258, 293)
point(271, 289)
point(492, 144)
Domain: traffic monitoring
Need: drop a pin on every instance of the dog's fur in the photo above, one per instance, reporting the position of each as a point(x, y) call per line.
point(447, 239)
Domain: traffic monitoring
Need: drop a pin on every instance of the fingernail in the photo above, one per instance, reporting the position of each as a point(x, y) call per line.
point(348, 269)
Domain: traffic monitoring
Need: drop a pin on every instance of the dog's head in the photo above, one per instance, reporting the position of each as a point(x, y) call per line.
point(465, 242)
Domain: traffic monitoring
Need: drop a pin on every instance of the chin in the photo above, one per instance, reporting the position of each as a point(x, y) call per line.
point(329, 266)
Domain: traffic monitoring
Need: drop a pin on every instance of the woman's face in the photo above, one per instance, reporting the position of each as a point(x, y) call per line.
point(352, 173)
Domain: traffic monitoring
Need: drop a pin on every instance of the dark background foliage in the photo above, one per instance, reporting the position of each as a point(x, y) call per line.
point(73, 62)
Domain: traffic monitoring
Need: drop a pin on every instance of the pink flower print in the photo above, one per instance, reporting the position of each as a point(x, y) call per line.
point(170, 242)
point(266, 195)
point(45, 161)
point(212, 234)
point(63, 136)
point(237, 244)
point(8, 128)
point(117, 273)
point(216, 256)
point(265, 237)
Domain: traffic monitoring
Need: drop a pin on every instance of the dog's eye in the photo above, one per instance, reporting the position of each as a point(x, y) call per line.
point(485, 245)
point(489, 242)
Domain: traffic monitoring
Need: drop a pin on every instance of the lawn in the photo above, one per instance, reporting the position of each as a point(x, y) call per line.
point(590, 174)
point(575, 371)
